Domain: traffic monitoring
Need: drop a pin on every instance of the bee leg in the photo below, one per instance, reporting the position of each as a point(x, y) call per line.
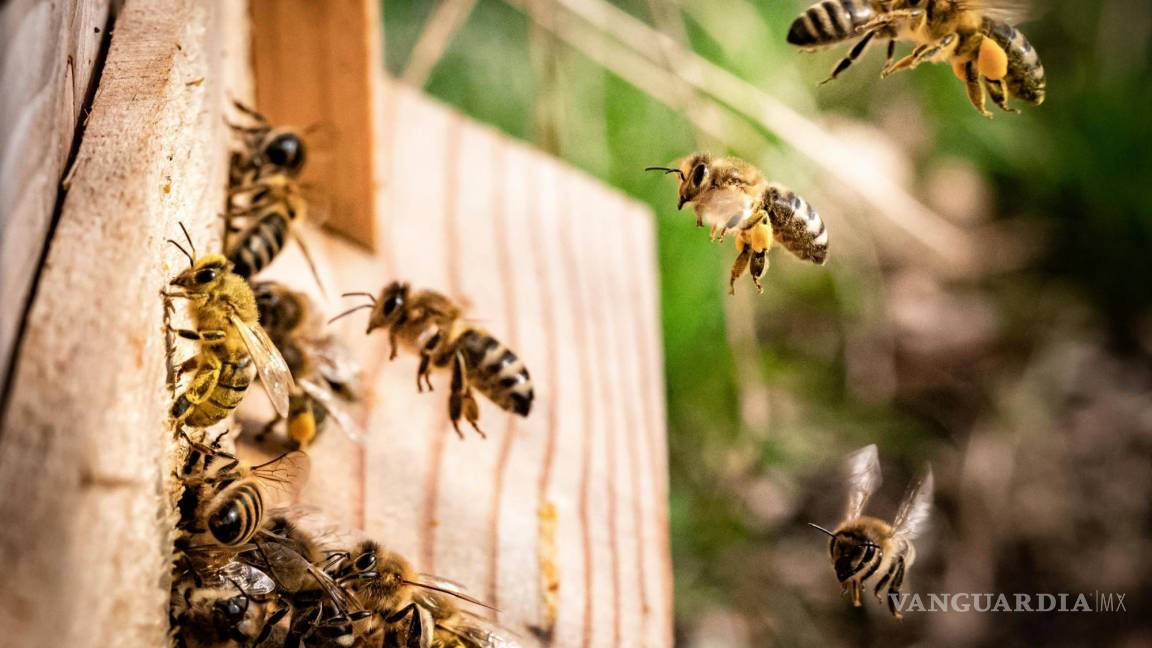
point(202, 383)
point(856, 591)
point(891, 52)
point(741, 263)
point(186, 366)
point(894, 589)
point(392, 344)
point(975, 88)
point(759, 267)
point(425, 359)
point(282, 609)
point(857, 50)
point(918, 56)
point(999, 94)
point(461, 403)
point(884, 581)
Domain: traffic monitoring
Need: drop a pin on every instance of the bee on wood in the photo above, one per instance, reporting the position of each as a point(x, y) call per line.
point(409, 609)
point(224, 500)
point(326, 377)
point(989, 55)
point(264, 149)
point(867, 551)
point(431, 325)
point(231, 342)
point(266, 204)
point(225, 612)
point(731, 195)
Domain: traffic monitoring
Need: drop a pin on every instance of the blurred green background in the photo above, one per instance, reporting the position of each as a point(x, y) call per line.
point(1000, 329)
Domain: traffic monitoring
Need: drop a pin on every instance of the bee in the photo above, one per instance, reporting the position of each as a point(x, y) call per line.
point(731, 195)
point(217, 614)
point(989, 55)
point(230, 339)
point(385, 583)
point(432, 326)
point(326, 377)
point(264, 150)
point(225, 501)
point(867, 551)
point(271, 208)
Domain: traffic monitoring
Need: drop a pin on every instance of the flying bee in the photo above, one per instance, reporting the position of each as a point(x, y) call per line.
point(264, 149)
point(386, 584)
point(731, 195)
point(867, 551)
point(326, 377)
point(976, 37)
point(432, 326)
point(224, 501)
point(231, 342)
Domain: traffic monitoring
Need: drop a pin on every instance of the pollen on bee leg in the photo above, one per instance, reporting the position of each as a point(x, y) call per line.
point(993, 60)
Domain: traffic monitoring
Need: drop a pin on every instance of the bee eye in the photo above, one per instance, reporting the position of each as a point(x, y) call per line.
point(233, 608)
point(391, 304)
point(205, 276)
point(698, 174)
point(365, 562)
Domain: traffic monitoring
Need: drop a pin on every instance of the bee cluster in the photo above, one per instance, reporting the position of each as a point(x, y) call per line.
point(245, 573)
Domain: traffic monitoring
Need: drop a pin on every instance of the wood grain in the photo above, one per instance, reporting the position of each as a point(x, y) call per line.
point(317, 67)
point(84, 451)
point(48, 54)
point(562, 270)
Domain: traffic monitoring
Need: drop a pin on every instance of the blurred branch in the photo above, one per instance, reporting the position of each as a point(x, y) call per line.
point(442, 25)
point(633, 59)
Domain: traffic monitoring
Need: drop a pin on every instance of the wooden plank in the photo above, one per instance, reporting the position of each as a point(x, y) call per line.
point(48, 52)
point(563, 271)
point(317, 65)
point(85, 547)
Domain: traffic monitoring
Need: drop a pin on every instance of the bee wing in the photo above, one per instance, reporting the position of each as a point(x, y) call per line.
point(283, 476)
point(1012, 12)
point(250, 580)
point(912, 517)
point(862, 470)
point(337, 408)
point(479, 632)
point(337, 366)
point(274, 373)
point(445, 586)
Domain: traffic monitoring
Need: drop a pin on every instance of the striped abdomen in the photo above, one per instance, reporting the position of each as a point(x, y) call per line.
point(830, 22)
point(496, 372)
point(236, 373)
point(236, 513)
point(257, 245)
point(1025, 78)
point(796, 225)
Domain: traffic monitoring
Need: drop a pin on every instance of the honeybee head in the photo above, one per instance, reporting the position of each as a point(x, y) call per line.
point(285, 150)
point(205, 274)
point(694, 172)
point(390, 305)
point(849, 550)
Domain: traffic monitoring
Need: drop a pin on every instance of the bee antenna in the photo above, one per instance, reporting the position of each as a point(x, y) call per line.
point(188, 237)
point(360, 294)
point(820, 528)
point(666, 170)
point(350, 311)
point(181, 248)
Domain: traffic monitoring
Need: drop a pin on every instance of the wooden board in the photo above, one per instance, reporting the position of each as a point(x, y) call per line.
point(315, 66)
point(85, 542)
point(48, 52)
point(563, 270)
